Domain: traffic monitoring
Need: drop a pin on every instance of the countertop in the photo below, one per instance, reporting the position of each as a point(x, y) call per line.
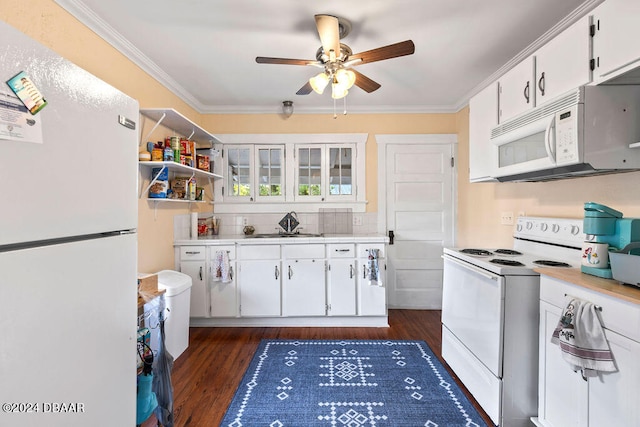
point(605, 286)
point(241, 239)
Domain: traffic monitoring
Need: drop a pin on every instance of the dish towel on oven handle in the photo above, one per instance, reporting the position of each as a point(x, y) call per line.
point(221, 270)
point(374, 268)
point(581, 338)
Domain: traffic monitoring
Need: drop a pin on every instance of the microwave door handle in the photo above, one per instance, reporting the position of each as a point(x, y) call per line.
point(550, 140)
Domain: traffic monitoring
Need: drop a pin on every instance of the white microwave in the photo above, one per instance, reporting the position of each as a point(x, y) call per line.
point(584, 132)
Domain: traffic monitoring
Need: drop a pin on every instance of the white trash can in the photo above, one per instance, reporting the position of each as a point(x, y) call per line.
point(177, 299)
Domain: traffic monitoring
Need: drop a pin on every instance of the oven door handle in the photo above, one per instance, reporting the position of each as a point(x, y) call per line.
point(477, 270)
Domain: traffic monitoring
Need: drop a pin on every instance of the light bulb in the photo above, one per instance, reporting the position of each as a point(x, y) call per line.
point(346, 77)
point(338, 90)
point(319, 82)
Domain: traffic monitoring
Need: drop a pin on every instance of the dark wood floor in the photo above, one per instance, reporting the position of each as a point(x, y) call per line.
point(206, 375)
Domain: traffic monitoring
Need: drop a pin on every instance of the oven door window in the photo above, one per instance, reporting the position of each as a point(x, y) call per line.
point(522, 150)
point(472, 309)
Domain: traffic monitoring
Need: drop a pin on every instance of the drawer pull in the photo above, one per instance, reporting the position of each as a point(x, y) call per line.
point(192, 252)
point(343, 250)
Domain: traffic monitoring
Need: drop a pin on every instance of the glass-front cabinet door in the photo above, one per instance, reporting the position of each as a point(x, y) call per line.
point(239, 163)
point(270, 175)
point(309, 173)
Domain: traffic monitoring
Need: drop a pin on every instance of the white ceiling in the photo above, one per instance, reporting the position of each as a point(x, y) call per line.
point(204, 50)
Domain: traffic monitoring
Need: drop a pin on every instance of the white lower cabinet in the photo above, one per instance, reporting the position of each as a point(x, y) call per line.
point(193, 263)
point(286, 284)
point(371, 295)
point(341, 280)
point(224, 294)
point(565, 398)
point(303, 290)
point(259, 280)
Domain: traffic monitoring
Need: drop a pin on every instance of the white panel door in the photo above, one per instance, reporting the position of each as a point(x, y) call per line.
point(419, 211)
point(68, 321)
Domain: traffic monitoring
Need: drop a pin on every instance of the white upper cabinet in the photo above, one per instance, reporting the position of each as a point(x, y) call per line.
point(516, 90)
point(483, 115)
point(559, 66)
point(563, 63)
point(616, 49)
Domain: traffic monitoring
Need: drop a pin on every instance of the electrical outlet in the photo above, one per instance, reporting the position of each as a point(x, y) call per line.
point(245, 220)
point(239, 220)
point(506, 218)
point(357, 220)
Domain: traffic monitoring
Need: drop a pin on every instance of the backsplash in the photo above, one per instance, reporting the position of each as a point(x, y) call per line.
point(329, 221)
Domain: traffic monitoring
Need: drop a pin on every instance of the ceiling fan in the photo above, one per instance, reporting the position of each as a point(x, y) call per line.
point(337, 59)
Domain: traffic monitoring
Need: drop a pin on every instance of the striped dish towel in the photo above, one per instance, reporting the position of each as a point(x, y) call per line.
point(581, 338)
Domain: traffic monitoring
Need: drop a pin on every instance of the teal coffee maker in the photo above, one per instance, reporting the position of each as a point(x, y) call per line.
point(603, 225)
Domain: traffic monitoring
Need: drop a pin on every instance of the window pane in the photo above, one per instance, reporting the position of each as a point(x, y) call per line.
point(270, 171)
point(309, 173)
point(239, 172)
point(340, 171)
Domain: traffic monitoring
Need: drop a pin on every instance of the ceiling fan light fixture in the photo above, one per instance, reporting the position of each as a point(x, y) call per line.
point(346, 77)
point(338, 90)
point(319, 82)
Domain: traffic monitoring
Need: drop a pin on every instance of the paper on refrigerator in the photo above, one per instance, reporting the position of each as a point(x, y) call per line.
point(16, 123)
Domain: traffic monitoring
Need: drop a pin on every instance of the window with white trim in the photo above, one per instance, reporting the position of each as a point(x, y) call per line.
point(308, 170)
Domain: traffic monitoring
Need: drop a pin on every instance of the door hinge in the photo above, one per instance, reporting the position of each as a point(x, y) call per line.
point(592, 30)
point(592, 64)
point(222, 190)
point(453, 162)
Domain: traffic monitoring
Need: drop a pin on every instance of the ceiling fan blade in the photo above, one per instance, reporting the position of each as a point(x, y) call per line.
point(285, 61)
point(329, 32)
point(305, 90)
point(386, 52)
point(365, 83)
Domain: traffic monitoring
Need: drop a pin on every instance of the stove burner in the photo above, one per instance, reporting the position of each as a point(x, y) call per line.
point(508, 262)
point(549, 263)
point(478, 252)
point(507, 252)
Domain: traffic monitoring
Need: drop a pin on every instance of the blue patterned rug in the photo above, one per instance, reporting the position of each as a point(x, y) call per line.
point(304, 383)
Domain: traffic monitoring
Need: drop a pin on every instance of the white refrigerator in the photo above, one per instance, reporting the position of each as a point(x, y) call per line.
point(68, 244)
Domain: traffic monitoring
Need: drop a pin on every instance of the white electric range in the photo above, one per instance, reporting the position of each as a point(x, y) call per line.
point(490, 313)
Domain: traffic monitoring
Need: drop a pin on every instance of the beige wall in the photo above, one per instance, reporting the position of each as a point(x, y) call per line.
point(479, 205)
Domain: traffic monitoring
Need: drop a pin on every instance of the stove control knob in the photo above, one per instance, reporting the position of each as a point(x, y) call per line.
point(555, 228)
point(544, 226)
point(529, 225)
point(519, 227)
point(575, 230)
